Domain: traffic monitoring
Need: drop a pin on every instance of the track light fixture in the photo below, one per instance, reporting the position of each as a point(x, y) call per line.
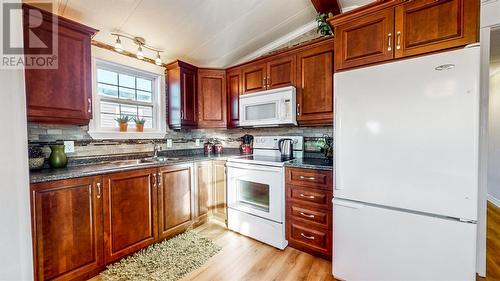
point(141, 43)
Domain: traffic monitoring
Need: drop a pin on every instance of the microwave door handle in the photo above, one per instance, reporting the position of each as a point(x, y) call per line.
point(283, 109)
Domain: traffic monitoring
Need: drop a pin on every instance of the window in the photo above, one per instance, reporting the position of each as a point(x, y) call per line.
point(123, 91)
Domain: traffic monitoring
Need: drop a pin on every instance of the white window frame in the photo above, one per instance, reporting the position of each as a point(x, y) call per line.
point(158, 97)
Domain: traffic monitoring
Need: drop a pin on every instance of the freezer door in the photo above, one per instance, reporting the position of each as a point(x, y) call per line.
point(379, 244)
point(407, 134)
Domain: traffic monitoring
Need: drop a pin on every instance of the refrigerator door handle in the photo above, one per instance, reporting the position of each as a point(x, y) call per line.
point(347, 204)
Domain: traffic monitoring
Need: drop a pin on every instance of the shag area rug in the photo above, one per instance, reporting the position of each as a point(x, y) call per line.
point(166, 261)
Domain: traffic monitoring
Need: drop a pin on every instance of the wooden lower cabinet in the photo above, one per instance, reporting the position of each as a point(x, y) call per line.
point(80, 225)
point(129, 212)
point(67, 229)
point(175, 210)
point(309, 211)
point(219, 192)
point(211, 191)
point(204, 180)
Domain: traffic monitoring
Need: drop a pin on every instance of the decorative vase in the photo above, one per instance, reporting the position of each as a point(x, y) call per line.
point(139, 127)
point(36, 163)
point(123, 127)
point(57, 157)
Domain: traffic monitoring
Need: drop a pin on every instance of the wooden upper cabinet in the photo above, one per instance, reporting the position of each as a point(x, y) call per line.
point(129, 212)
point(254, 77)
point(365, 40)
point(174, 200)
point(67, 228)
point(212, 98)
point(234, 89)
point(62, 95)
point(424, 26)
point(281, 72)
point(392, 29)
point(182, 96)
point(315, 85)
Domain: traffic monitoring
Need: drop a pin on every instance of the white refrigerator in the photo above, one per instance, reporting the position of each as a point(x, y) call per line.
point(406, 169)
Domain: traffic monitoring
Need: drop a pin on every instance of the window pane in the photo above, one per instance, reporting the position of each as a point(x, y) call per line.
point(130, 110)
point(144, 84)
point(126, 93)
point(143, 96)
point(106, 76)
point(108, 120)
point(149, 123)
point(145, 111)
point(127, 81)
point(107, 90)
point(110, 107)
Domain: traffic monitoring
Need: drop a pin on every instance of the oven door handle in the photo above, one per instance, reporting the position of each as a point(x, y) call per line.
point(258, 167)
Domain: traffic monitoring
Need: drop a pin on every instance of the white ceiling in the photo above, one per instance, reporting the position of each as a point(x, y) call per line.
point(214, 33)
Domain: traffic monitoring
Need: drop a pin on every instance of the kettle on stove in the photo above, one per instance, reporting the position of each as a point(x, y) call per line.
point(285, 147)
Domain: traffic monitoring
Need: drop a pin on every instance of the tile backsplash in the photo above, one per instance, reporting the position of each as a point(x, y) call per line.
point(85, 146)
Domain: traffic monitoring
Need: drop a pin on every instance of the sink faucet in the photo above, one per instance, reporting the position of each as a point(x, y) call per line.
point(156, 149)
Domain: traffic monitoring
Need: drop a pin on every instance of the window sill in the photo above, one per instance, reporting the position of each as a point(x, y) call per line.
point(114, 135)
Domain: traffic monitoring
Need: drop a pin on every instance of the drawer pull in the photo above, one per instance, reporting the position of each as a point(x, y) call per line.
point(307, 237)
point(307, 196)
point(307, 178)
point(389, 47)
point(307, 215)
point(99, 191)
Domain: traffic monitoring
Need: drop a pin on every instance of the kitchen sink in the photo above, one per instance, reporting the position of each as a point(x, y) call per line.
point(158, 159)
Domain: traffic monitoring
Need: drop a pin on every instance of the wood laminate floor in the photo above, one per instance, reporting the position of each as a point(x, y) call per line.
point(493, 243)
point(243, 258)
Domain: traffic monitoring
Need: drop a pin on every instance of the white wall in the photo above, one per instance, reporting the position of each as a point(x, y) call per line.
point(15, 231)
point(494, 137)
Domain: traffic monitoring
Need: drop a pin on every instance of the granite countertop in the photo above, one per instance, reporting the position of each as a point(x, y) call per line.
point(46, 175)
point(311, 163)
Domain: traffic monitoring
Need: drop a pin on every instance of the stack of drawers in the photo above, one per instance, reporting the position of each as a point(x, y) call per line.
point(309, 212)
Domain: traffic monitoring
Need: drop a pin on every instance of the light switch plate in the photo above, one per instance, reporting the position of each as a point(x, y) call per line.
point(169, 143)
point(69, 146)
point(197, 142)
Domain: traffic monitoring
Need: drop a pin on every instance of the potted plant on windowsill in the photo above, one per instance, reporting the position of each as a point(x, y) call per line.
point(123, 122)
point(139, 124)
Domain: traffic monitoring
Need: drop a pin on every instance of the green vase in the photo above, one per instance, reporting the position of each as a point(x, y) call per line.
point(57, 157)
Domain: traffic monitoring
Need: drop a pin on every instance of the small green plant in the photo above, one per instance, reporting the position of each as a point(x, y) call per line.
point(123, 119)
point(139, 121)
point(323, 27)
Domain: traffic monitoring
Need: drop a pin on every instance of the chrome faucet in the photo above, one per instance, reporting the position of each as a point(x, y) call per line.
point(156, 149)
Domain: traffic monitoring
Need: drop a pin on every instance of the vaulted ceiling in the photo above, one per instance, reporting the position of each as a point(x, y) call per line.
point(215, 33)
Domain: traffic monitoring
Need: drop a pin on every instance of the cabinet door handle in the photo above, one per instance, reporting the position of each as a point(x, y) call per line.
point(298, 109)
point(99, 191)
point(389, 44)
point(307, 178)
point(307, 215)
point(89, 100)
point(268, 82)
point(398, 44)
point(182, 114)
point(154, 181)
point(307, 196)
point(264, 82)
point(159, 179)
point(307, 237)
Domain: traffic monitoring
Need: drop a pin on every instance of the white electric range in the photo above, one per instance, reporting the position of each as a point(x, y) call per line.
point(256, 191)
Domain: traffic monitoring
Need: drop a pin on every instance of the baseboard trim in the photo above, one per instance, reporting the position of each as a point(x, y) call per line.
point(494, 200)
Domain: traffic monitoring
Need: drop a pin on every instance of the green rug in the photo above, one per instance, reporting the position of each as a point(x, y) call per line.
point(166, 261)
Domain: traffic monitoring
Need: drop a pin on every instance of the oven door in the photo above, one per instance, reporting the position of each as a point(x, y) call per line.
point(257, 190)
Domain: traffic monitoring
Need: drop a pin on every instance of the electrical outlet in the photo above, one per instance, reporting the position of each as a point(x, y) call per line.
point(197, 142)
point(69, 146)
point(169, 143)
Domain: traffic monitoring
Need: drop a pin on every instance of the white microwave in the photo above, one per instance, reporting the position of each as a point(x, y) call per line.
point(269, 108)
